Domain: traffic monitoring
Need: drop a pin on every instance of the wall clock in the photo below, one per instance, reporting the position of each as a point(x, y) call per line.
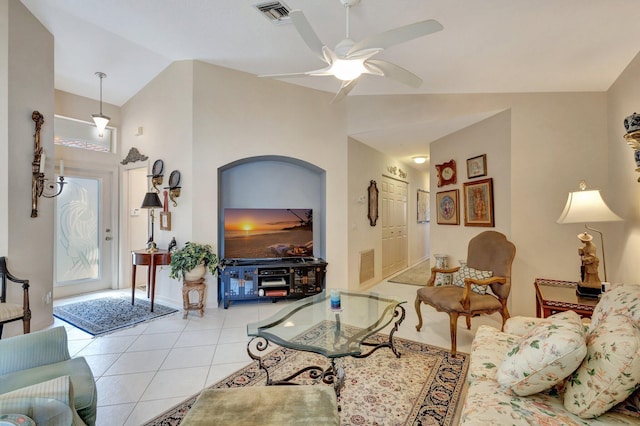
point(446, 173)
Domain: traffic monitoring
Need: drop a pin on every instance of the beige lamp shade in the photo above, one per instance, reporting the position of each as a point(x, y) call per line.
point(586, 206)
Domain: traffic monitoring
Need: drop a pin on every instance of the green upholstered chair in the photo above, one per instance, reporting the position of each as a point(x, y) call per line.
point(30, 359)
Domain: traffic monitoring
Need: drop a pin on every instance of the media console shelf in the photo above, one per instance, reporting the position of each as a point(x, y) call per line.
point(252, 279)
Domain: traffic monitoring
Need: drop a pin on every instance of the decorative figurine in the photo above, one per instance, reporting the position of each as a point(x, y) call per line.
point(590, 263)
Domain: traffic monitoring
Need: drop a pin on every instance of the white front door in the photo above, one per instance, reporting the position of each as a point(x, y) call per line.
point(393, 197)
point(86, 237)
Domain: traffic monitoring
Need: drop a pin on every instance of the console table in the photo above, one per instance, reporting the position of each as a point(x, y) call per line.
point(553, 296)
point(144, 258)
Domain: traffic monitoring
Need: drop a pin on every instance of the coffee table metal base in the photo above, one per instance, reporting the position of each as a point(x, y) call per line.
point(334, 374)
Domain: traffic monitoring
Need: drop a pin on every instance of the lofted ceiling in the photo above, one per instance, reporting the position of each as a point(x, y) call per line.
point(487, 46)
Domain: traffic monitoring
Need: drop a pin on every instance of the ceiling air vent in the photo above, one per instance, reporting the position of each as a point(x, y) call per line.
point(275, 11)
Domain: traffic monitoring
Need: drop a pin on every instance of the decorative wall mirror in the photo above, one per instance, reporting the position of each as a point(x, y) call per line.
point(373, 203)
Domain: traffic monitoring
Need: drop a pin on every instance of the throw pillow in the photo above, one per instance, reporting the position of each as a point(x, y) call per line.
point(467, 272)
point(545, 355)
point(442, 279)
point(611, 370)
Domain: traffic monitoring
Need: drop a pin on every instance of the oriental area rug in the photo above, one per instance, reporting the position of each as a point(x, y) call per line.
point(424, 386)
point(106, 315)
point(417, 275)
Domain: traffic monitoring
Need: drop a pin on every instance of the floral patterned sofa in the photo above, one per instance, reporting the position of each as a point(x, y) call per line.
point(557, 371)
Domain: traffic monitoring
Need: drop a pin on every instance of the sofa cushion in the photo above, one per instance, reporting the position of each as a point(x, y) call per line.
point(49, 402)
point(488, 404)
point(487, 350)
point(624, 299)
point(520, 325)
point(611, 370)
point(84, 388)
point(467, 272)
point(544, 356)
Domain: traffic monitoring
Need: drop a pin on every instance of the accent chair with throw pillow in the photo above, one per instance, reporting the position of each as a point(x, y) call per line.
point(482, 286)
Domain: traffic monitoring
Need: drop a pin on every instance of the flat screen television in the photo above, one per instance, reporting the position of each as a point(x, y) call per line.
point(268, 233)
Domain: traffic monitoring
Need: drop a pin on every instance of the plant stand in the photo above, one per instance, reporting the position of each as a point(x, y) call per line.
point(189, 286)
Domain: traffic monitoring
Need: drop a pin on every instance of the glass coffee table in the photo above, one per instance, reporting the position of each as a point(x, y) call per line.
point(312, 325)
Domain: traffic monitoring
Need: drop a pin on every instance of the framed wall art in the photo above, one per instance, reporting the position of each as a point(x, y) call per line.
point(477, 166)
point(446, 173)
point(447, 205)
point(478, 203)
point(373, 203)
point(423, 206)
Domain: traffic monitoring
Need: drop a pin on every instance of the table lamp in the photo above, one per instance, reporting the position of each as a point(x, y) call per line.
point(588, 206)
point(151, 201)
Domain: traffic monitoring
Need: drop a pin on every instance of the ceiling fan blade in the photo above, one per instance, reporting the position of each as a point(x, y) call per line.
point(307, 33)
point(377, 66)
point(347, 86)
point(397, 36)
point(316, 73)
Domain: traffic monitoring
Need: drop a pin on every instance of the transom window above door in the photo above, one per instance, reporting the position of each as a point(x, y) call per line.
point(82, 134)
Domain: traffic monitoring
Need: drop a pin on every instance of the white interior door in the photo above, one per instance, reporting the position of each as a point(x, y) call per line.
point(86, 237)
point(393, 199)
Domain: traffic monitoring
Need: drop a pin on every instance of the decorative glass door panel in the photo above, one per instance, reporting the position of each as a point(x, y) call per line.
point(78, 225)
point(84, 237)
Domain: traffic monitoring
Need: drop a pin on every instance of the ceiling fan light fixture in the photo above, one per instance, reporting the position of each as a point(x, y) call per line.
point(347, 69)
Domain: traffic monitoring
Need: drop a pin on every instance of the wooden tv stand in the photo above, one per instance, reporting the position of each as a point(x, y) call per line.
point(254, 279)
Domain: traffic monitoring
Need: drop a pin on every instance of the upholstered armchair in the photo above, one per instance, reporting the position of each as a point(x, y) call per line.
point(10, 311)
point(488, 267)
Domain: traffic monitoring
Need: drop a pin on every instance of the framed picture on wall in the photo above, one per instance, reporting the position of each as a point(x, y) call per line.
point(446, 173)
point(423, 206)
point(447, 205)
point(478, 203)
point(477, 166)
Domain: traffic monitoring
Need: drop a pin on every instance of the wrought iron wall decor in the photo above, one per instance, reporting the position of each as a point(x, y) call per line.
point(174, 186)
point(37, 168)
point(157, 174)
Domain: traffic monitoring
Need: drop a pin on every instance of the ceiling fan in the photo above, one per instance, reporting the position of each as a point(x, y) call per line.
point(349, 59)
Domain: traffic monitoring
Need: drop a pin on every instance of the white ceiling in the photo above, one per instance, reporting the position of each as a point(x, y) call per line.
point(487, 46)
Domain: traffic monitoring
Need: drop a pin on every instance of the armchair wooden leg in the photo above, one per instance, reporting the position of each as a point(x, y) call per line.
point(453, 324)
point(468, 322)
point(505, 316)
point(417, 304)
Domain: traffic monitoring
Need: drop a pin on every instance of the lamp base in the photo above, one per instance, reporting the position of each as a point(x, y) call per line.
point(151, 247)
point(591, 292)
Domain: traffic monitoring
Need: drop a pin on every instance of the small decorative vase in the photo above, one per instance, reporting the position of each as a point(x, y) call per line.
point(632, 123)
point(441, 261)
point(196, 273)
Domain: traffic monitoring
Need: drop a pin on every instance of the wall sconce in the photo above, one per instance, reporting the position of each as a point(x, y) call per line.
point(156, 174)
point(37, 169)
point(174, 186)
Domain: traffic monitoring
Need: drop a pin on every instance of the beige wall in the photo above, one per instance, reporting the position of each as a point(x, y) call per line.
point(27, 242)
point(556, 140)
point(4, 127)
point(623, 239)
point(366, 164)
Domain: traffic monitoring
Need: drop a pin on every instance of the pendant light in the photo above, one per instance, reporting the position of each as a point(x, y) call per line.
point(101, 120)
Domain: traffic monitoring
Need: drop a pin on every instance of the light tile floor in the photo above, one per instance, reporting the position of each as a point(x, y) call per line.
point(145, 370)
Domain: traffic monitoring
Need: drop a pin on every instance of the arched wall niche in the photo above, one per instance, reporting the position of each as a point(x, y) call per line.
point(273, 181)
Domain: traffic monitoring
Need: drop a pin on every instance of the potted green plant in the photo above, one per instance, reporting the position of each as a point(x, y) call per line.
point(191, 258)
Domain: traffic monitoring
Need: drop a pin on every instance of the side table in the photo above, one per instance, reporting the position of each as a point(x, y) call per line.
point(142, 257)
point(553, 296)
point(198, 286)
